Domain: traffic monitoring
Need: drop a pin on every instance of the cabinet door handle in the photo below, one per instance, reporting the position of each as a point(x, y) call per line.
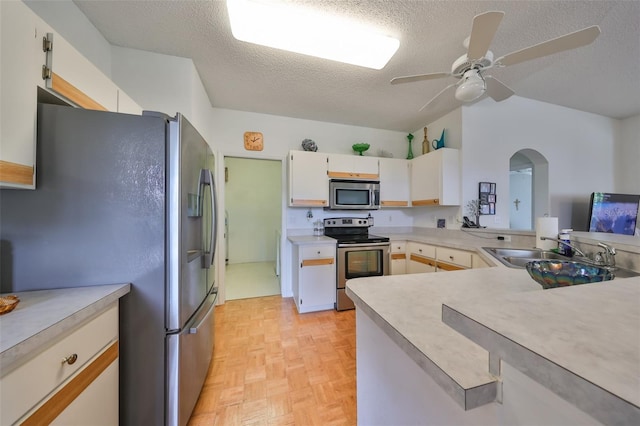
point(71, 359)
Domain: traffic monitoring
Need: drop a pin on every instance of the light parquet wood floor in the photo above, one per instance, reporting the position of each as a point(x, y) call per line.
point(273, 366)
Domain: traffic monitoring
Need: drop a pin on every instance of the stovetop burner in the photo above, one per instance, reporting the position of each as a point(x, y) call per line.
point(350, 230)
point(359, 239)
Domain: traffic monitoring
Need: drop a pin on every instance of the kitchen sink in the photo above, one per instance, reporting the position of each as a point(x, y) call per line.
point(518, 258)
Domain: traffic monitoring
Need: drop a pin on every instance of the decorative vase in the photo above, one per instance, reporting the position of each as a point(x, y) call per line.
point(410, 153)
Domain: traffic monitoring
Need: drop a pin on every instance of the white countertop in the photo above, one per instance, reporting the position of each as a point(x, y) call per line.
point(311, 239)
point(408, 308)
point(582, 342)
point(42, 315)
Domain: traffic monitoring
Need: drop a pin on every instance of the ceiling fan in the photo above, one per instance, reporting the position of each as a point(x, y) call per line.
point(471, 68)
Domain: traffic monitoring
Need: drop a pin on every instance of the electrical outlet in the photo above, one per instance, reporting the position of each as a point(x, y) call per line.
point(390, 219)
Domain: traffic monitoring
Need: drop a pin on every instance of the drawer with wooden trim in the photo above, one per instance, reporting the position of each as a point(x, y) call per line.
point(398, 247)
point(318, 252)
point(454, 256)
point(421, 249)
point(38, 377)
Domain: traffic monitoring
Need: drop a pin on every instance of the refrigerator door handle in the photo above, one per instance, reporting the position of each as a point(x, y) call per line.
point(206, 178)
point(205, 318)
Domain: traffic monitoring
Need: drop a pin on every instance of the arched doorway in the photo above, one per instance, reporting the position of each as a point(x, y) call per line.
point(528, 188)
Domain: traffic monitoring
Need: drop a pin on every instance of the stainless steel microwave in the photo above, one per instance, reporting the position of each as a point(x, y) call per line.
point(354, 194)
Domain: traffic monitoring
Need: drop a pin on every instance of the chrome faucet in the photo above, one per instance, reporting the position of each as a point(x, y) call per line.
point(574, 248)
point(606, 258)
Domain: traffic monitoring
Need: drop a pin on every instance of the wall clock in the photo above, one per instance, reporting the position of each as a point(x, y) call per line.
point(253, 141)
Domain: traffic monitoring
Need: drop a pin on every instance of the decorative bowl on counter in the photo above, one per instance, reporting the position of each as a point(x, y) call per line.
point(360, 147)
point(562, 273)
point(8, 303)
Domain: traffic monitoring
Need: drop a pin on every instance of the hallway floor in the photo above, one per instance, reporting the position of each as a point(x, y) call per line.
point(254, 279)
point(273, 366)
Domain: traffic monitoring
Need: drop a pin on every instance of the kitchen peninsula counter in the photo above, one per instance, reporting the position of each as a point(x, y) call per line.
point(583, 342)
point(407, 309)
point(44, 315)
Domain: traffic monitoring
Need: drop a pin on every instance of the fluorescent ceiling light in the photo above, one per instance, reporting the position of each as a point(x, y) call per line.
point(300, 30)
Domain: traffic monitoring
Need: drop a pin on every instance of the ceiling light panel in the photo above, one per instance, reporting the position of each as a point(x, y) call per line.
point(301, 30)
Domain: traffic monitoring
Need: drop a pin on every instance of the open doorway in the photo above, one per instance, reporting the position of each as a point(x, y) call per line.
point(253, 220)
point(528, 188)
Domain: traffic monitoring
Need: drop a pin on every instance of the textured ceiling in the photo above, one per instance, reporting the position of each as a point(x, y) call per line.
point(602, 77)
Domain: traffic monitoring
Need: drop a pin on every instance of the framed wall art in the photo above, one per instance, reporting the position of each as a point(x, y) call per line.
point(487, 198)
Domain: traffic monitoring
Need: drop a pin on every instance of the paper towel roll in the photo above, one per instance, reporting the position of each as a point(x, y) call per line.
point(546, 227)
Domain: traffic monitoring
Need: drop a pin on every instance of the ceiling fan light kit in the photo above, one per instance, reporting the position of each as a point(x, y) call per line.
point(301, 30)
point(470, 69)
point(472, 86)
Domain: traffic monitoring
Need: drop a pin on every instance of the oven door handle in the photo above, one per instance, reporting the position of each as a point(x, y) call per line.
point(364, 245)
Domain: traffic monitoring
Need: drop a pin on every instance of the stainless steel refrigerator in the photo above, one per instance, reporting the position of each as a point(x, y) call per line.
point(125, 198)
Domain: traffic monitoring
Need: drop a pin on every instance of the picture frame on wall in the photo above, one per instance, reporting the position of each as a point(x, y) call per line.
point(487, 198)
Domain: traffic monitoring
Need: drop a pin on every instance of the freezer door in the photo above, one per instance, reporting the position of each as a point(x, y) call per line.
point(190, 203)
point(189, 354)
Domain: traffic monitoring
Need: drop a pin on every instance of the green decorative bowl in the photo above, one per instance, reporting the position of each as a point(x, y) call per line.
point(562, 273)
point(360, 147)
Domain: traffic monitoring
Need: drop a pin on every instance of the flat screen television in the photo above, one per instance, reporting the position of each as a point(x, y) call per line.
point(613, 213)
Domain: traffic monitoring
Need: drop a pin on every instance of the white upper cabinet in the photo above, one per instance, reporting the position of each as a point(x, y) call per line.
point(34, 57)
point(343, 166)
point(76, 79)
point(22, 58)
point(308, 183)
point(435, 178)
point(394, 182)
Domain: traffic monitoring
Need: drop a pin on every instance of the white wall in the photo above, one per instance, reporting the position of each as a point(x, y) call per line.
point(520, 186)
point(627, 157)
point(164, 83)
point(282, 134)
point(578, 145)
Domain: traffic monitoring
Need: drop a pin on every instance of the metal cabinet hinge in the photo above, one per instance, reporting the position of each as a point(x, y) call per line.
point(47, 44)
point(46, 72)
point(47, 47)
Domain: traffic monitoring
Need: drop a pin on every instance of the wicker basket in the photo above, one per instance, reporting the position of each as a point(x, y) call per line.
point(8, 303)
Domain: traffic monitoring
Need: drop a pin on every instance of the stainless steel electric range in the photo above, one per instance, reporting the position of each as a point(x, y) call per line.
point(359, 254)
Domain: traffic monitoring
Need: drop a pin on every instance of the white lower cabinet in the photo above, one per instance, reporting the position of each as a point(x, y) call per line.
point(73, 380)
point(314, 277)
point(452, 259)
point(421, 258)
point(398, 257)
point(478, 262)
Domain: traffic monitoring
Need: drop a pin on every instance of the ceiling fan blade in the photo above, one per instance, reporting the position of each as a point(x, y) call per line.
point(438, 95)
point(411, 78)
point(566, 42)
point(484, 28)
point(496, 89)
